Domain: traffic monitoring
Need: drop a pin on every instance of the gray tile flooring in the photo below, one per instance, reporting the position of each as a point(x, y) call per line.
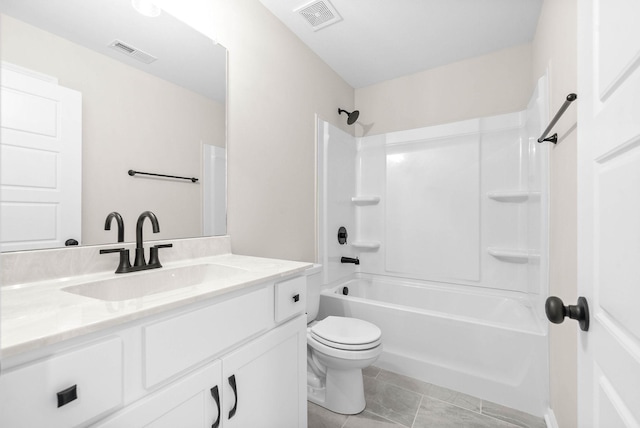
point(396, 401)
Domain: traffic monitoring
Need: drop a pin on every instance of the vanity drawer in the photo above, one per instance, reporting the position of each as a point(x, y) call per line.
point(34, 395)
point(178, 343)
point(291, 298)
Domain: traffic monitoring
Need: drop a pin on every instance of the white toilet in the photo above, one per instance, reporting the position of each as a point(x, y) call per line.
point(338, 348)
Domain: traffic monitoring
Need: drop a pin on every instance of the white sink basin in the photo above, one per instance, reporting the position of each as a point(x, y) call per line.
point(145, 283)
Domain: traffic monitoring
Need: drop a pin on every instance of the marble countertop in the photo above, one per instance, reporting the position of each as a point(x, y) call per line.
point(41, 313)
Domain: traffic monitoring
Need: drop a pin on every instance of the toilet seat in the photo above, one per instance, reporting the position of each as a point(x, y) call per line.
point(344, 333)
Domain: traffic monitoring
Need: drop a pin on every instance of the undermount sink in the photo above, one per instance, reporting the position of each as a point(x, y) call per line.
point(140, 284)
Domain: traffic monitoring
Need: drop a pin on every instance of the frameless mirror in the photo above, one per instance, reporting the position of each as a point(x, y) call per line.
point(92, 90)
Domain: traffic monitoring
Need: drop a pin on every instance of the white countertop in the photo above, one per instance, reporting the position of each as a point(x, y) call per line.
point(37, 314)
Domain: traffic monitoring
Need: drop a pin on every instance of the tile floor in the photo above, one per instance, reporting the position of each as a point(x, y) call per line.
point(396, 401)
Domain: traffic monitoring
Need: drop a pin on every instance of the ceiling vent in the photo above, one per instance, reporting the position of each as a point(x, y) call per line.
point(319, 14)
point(132, 52)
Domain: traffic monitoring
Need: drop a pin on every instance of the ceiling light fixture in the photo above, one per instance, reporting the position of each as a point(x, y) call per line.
point(146, 8)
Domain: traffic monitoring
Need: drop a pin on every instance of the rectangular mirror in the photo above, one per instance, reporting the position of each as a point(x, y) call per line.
point(91, 90)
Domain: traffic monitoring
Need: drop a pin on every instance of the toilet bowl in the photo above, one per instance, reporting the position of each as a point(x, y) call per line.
point(338, 348)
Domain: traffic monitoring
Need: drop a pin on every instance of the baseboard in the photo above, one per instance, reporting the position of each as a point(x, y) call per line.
point(550, 419)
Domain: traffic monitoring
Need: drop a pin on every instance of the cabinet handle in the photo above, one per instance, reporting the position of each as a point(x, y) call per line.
point(216, 397)
point(296, 298)
point(67, 395)
point(232, 382)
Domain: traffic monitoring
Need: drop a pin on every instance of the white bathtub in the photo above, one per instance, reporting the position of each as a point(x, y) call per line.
point(480, 342)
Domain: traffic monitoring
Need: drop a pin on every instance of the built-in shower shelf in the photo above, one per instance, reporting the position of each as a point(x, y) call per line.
point(366, 200)
point(366, 245)
point(513, 256)
point(512, 196)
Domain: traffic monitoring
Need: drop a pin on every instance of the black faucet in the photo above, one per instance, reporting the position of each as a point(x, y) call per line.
point(350, 260)
point(109, 220)
point(124, 265)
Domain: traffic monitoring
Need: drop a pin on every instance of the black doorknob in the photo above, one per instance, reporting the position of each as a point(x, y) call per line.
point(556, 311)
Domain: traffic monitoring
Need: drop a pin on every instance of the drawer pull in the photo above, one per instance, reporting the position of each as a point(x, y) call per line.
point(216, 397)
point(232, 382)
point(296, 297)
point(67, 396)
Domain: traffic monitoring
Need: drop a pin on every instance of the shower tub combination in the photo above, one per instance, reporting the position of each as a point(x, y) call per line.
point(486, 343)
point(450, 227)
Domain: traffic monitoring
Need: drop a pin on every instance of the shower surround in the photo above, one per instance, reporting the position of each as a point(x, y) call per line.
point(454, 217)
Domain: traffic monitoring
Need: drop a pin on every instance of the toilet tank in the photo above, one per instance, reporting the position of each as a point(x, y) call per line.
point(314, 283)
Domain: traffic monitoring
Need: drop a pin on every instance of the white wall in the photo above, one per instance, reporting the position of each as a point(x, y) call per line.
point(555, 48)
point(446, 211)
point(487, 85)
point(276, 87)
point(171, 144)
point(336, 187)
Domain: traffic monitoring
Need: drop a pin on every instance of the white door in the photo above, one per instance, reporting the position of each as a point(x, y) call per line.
point(609, 212)
point(40, 155)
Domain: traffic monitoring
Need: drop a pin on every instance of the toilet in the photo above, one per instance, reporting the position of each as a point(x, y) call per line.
point(338, 348)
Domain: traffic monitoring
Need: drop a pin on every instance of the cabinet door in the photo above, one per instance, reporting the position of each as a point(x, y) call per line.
point(265, 380)
point(191, 402)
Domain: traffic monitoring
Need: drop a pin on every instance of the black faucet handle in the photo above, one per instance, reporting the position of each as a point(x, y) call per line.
point(163, 246)
point(124, 265)
point(153, 254)
point(111, 250)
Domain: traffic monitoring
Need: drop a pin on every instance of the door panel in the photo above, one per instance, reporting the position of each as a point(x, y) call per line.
point(609, 212)
point(40, 163)
point(616, 21)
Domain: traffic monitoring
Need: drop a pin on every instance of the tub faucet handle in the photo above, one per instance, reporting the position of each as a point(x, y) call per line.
point(342, 235)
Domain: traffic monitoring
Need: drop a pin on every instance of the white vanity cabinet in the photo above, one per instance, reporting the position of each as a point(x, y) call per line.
point(260, 384)
point(236, 360)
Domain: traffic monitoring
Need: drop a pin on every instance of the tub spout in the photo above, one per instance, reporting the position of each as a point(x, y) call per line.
point(350, 260)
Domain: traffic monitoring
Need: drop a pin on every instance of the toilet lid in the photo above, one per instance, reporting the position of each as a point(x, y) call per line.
point(346, 333)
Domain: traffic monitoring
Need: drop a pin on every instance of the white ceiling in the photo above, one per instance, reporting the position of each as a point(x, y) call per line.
point(378, 40)
point(185, 57)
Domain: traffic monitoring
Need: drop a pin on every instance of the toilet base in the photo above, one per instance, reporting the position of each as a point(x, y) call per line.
point(341, 391)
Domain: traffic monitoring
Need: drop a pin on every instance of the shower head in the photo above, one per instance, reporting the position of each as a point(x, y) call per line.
point(351, 117)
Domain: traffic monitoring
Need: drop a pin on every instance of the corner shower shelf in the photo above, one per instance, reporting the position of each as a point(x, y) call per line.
point(512, 196)
point(513, 256)
point(366, 245)
point(365, 200)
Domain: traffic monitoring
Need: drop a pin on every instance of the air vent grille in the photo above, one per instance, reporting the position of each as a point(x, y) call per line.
point(132, 52)
point(319, 14)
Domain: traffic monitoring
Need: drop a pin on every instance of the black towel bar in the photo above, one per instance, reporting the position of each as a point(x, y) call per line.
point(132, 173)
point(554, 138)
